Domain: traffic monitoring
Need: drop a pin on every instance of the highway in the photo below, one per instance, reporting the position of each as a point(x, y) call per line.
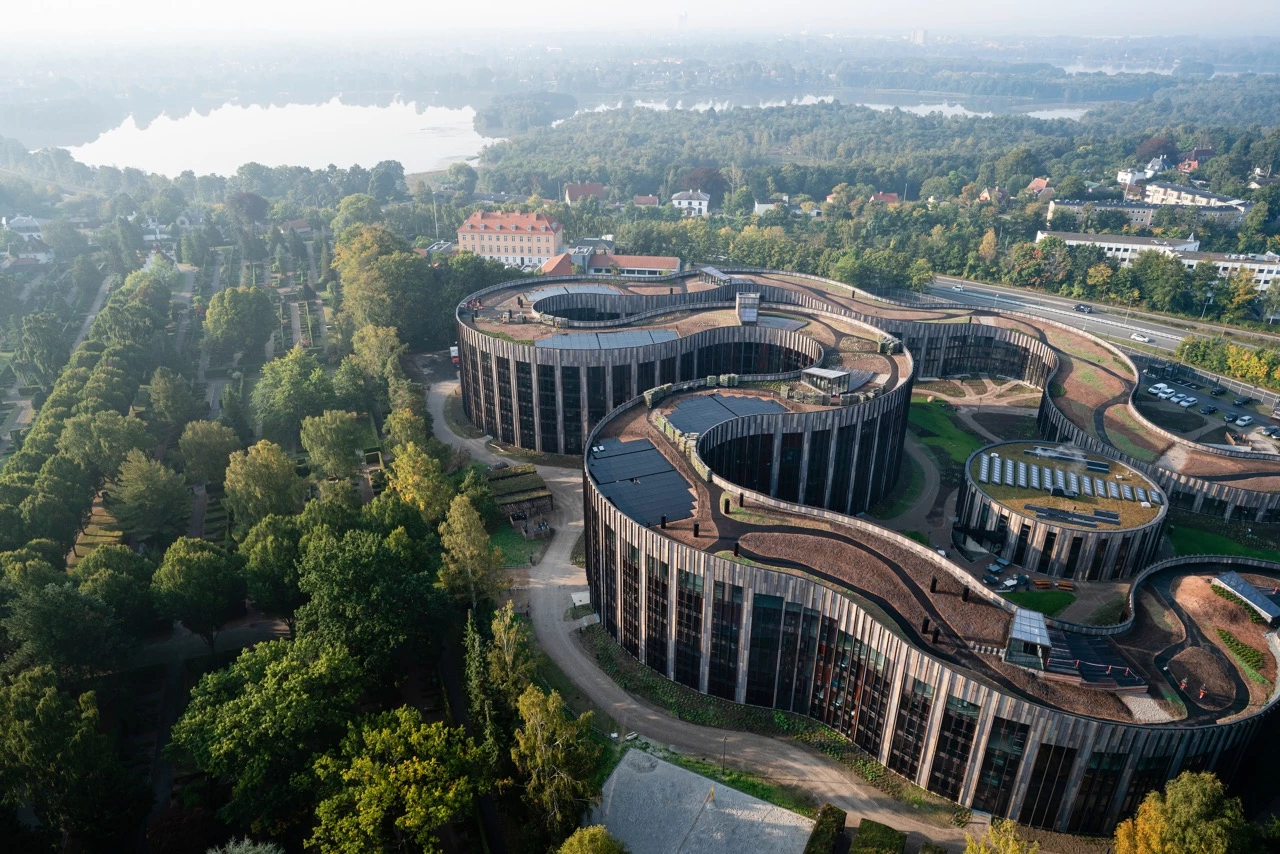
point(1104, 321)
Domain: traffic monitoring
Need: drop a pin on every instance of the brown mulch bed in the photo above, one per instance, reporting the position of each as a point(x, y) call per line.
point(1072, 698)
point(1201, 668)
point(1211, 612)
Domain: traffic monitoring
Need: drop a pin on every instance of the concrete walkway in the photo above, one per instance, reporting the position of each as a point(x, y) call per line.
point(555, 577)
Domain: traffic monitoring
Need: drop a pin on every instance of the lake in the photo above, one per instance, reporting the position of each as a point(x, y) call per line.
point(314, 135)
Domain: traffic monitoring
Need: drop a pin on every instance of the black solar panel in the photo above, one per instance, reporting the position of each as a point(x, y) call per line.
point(640, 481)
point(699, 414)
point(606, 340)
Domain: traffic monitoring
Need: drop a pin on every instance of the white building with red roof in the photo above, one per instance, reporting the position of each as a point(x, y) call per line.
point(515, 239)
point(633, 266)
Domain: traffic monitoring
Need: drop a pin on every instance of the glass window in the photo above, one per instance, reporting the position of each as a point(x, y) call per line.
point(909, 733)
point(726, 624)
point(955, 743)
point(655, 631)
point(1048, 785)
point(689, 629)
point(1000, 764)
point(1097, 790)
point(762, 657)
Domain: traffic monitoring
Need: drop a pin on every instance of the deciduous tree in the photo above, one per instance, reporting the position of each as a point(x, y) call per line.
point(262, 481)
point(271, 552)
point(417, 479)
point(556, 758)
point(206, 448)
point(239, 320)
point(172, 404)
point(595, 839)
point(100, 441)
point(200, 585)
point(472, 569)
point(395, 783)
point(330, 440)
point(1193, 815)
point(292, 387)
point(63, 628)
point(150, 500)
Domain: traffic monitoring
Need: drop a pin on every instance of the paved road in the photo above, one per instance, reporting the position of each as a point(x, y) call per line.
point(555, 577)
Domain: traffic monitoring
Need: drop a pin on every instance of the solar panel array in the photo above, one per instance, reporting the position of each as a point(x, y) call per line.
point(1257, 600)
point(773, 322)
point(640, 481)
point(607, 340)
point(992, 468)
point(699, 413)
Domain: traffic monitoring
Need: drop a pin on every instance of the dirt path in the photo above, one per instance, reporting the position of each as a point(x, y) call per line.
point(555, 577)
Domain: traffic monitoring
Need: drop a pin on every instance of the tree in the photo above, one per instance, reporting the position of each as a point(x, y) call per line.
point(239, 320)
point(172, 404)
point(366, 592)
point(63, 628)
point(259, 724)
point(42, 349)
point(1241, 294)
point(472, 569)
point(246, 846)
point(100, 441)
point(150, 500)
point(66, 242)
point(417, 479)
point(1001, 838)
point(122, 584)
point(331, 442)
point(386, 181)
point(234, 413)
point(461, 177)
point(377, 350)
point(356, 209)
point(512, 661)
point(206, 448)
point(292, 387)
point(271, 552)
point(395, 783)
point(55, 762)
point(478, 491)
point(403, 427)
point(557, 758)
point(595, 839)
point(476, 666)
point(200, 585)
point(1192, 816)
point(262, 481)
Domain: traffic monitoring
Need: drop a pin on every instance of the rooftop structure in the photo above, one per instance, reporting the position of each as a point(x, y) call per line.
point(578, 192)
point(1266, 605)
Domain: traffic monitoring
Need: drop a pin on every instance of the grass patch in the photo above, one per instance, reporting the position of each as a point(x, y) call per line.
point(876, 838)
point(938, 427)
point(516, 550)
point(1249, 659)
point(536, 457)
point(1124, 442)
point(827, 830)
point(578, 557)
point(905, 493)
point(455, 418)
point(1051, 603)
point(1106, 614)
point(1194, 541)
point(689, 705)
point(791, 798)
point(919, 536)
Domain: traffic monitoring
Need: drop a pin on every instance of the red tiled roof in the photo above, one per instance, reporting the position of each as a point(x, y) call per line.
point(561, 265)
point(890, 198)
point(574, 192)
point(1038, 184)
point(645, 200)
point(503, 221)
point(652, 262)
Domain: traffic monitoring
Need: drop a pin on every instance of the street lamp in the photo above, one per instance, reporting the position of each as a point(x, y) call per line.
point(1208, 299)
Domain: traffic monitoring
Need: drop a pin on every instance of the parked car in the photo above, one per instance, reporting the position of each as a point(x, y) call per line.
point(1244, 420)
point(1178, 398)
point(1208, 409)
point(1229, 418)
point(1157, 388)
point(1217, 390)
point(1166, 394)
point(1243, 400)
point(1084, 309)
point(1137, 336)
point(1270, 431)
point(1187, 402)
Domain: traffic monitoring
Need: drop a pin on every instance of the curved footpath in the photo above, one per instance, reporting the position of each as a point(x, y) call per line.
point(781, 760)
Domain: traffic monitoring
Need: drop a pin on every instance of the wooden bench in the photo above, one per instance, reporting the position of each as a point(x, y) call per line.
point(1043, 584)
point(1066, 585)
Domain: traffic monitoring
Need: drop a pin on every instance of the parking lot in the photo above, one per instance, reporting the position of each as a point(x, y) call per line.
point(1209, 417)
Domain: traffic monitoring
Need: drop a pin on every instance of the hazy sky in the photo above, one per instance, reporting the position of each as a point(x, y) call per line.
point(129, 20)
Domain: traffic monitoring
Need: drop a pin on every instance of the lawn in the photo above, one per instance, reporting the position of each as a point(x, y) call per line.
point(938, 427)
point(1106, 614)
point(878, 838)
point(516, 550)
point(1193, 541)
point(1051, 603)
point(905, 493)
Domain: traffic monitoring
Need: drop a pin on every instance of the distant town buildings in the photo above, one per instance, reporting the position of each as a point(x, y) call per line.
point(299, 226)
point(525, 240)
point(993, 194)
point(692, 202)
point(1141, 214)
point(1164, 193)
point(646, 202)
point(1125, 249)
point(574, 193)
point(26, 227)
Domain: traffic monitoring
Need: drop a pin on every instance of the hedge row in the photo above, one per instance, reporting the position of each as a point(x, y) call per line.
point(1247, 655)
point(827, 830)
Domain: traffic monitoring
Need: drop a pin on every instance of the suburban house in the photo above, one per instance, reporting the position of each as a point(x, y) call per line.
point(646, 202)
point(153, 231)
point(884, 198)
point(632, 266)
point(300, 226)
point(577, 192)
point(993, 194)
point(516, 239)
point(592, 245)
point(26, 227)
point(188, 220)
point(692, 202)
point(769, 206)
point(32, 253)
point(440, 247)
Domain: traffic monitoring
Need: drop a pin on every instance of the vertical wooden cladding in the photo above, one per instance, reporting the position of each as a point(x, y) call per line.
point(817, 649)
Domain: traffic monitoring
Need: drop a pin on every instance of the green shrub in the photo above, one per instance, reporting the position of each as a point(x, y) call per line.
point(878, 838)
point(932, 848)
point(1247, 655)
point(1254, 616)
point(826, 830)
